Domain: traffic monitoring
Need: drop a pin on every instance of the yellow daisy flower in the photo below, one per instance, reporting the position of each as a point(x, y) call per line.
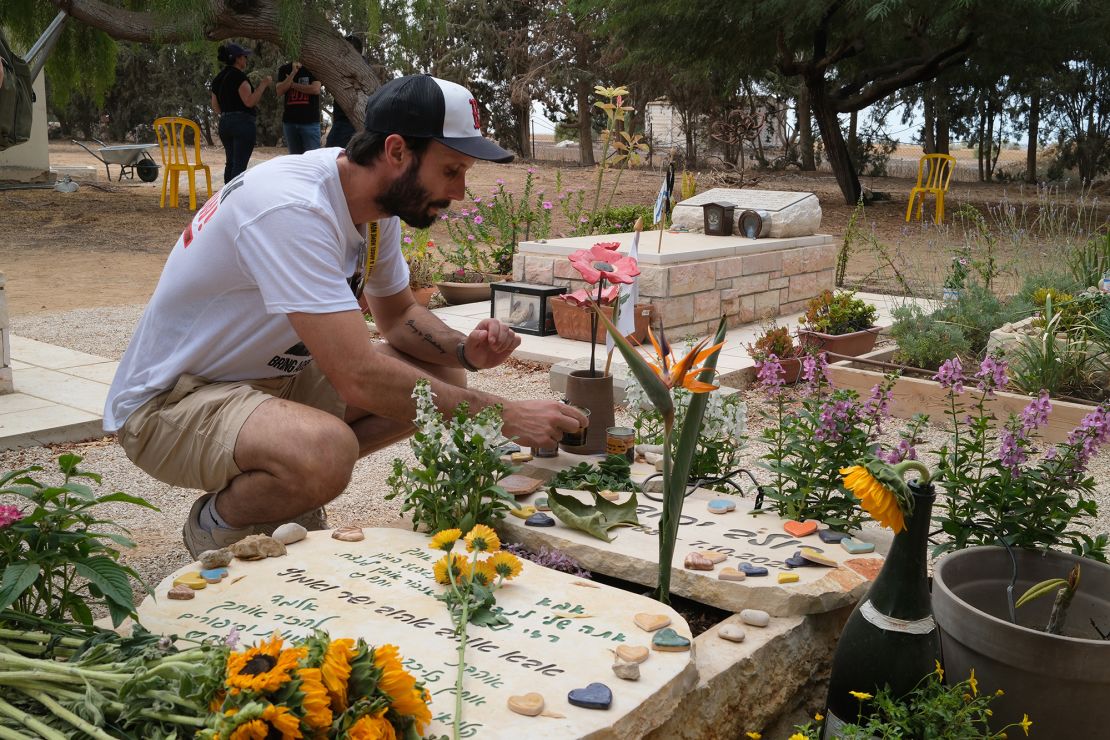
point(484, 572)
point(445, 539)
point(336, 670)
point(861, 695)
point(460, 566)
point(973, 683)
point(818, 717)
point(1025, 723)
point(317, 705)
point(482, 539)
point(875, 498)
point(370, 727)
point(507, 565)
point(264, 667)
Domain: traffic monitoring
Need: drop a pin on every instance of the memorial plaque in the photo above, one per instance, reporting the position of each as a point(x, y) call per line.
point(790, 213)
point(561, 636)
point(744, 537)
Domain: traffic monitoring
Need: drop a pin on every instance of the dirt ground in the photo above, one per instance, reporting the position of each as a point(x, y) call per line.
point(105, 244)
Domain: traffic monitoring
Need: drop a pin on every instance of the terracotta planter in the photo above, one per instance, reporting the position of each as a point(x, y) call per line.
point(852, 344)
point(423, 295)
point(1061, 681)
point(596, 394)
point(573, 322)
point(459, 293)
point(791, 370)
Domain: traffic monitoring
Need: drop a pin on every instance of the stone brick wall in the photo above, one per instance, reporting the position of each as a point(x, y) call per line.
point(690, 297)
point(5, 351)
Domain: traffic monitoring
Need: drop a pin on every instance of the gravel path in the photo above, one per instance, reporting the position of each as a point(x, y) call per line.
point(106, 331)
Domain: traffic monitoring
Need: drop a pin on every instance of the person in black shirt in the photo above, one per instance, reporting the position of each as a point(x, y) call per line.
point(341, 127)
point(301, 117)
point(234, 99)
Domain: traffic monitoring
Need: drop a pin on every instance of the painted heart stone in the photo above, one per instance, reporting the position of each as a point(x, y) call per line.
point(830, 536)
point(539, 519)
point(669, 641)
point(788, 578)
point(651, 622)
point(523, 512)
point(632, 653)
point(728, 573)
point(817, 558)
point(752, 571)
point(713, 557)
point(800, 529)
point(541, 504)
point(595, 696)
point(527, 704)
point(731, 632)
point(857, 547)
point(214, 575)
point(348, 534)
point(181, 593)
point(721, 506)
point(193, 580)
point(797, 561)
point(696, 561)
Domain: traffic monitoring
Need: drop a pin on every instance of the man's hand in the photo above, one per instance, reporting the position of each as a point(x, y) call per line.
point(539, 423)
point(490, 343)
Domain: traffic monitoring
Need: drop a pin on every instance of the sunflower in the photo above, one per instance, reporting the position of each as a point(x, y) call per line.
point(877, 499)
point(372, 727)
point(256, 729)
point(506, 564)
point(400, 686)
point(460, 566)
point(336, 670)
point(484, 571)
point(482, 539)
point(317, 707)
point(445, 539)
point(284, 721)
point(264, 667)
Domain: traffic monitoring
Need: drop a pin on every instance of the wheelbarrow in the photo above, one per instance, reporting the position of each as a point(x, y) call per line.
point(132, 159)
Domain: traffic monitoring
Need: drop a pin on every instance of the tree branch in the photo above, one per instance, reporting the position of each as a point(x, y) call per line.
point(128, 25)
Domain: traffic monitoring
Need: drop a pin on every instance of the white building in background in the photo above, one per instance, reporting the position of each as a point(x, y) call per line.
point(664, 125)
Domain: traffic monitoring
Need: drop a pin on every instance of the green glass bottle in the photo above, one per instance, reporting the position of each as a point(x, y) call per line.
point(890, 637)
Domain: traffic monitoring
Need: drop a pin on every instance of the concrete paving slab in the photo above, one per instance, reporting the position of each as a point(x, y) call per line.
point(101, 372)
point(50, 356)
point(67, 390)
point(47, 425)
point(11, 403)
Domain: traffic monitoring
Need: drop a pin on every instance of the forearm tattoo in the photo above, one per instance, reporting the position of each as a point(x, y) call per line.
point(411, 324)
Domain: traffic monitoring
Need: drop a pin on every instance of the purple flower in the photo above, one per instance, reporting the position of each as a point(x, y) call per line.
point(770, 373)
point(834, 416)
point(1036, 413)
point(583, 220)
point(500, 181)
point(904, 451)
point(815, 369)
point(992, 375)
point(470, 237)
point(407, 240)
point(9, 515)
point(478, 220)
point(877, 405)
point(531, 170)
point(232, 639)
point(477, 199)
point(1092, 433)
point(547, 205)
point(951, 375)
point(1012, 450)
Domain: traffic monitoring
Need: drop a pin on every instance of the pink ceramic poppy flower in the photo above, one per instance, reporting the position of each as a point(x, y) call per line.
point(582, 297)
point(602, 263)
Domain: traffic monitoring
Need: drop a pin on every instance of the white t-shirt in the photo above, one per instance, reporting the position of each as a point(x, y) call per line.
point(276, 240)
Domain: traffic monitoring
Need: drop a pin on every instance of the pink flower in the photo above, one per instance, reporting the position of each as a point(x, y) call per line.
point(600, 263)
point(951, 375)
point(770, 374)
point(470, 237)
point(500, 181)
point(478, 219)
point(582, 297)
point(9, 515)
point(407, 240)
point(611, 246)
point(583, 220)
point(531, 170)
point(477, 199)
point(547, 205)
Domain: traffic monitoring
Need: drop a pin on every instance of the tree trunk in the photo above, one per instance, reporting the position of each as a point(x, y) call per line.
point(944, 130)
point(928, 133)
point(988, 139)
point(1031, 148)
point(523, 113)
point(981, 130)
point(853, 124)
point(836, 149)
point(805, 131)
point(585, 123)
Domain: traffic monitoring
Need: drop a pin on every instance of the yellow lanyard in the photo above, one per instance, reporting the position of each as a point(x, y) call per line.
point(371, 252)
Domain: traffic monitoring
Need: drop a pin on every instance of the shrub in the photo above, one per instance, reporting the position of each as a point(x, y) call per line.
point(838, 313)
point(774, 340)
point(923, 341)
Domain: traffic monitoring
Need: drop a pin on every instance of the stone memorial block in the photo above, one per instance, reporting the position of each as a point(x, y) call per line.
point(790, 213)
point(561, 636)
point(750, 541)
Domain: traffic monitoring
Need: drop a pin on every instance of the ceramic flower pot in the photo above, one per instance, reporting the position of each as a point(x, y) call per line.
point(852, 344)
point(593, 392)
point(573, 322)
point(458, 293)
point(1060, 681)
point(423, 295)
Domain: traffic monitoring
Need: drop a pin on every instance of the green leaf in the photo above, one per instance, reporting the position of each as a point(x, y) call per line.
point(108, 575)
point(596, 519)
point(18, 577)
point(127, 499)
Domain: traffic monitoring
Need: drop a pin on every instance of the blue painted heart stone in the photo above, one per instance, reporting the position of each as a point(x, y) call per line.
point(539, 519)
point(797, 561)
point(214, 574)
point(830, 536)
point(752, 571)
point(669, 640)
point(857, 547)
point(594, 696)
point(721, 506)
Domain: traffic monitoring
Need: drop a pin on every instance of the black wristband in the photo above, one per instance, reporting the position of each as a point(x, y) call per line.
point(460, 352)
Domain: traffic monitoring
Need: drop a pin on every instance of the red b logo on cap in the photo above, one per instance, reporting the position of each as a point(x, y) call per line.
point(474, 111)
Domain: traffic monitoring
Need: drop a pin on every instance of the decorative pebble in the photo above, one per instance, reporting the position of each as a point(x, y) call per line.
point(669, 641)
point(192, 579)
point(527, 704)
point(830, 536)
point(857, 547)
point(626, 670)
point(728, 573)
point(721, 506)
point(289, 533)
point(713, 557)
point(817, 558)
point(651, 622)
point(541, 504)
point(539, 519)
point(755, 617)
point(752, 571)
point(214, 575)
point(732, 633)
point(609, 495)
point(800, 529)
point(520, 485)
point(256, 547)
point(788, 578)
point(523, 512)
point(797, 561)
point(348, 534)
point(697, 561)
point(181, 593)
point(632, 653)
point(595, 696)
point(214, 558)
point(520, 457)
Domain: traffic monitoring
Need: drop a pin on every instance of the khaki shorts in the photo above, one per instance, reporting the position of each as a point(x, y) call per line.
point(186, 436)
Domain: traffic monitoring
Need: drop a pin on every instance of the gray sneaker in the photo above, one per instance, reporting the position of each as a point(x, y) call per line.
point(197, 539)
point(312, 520)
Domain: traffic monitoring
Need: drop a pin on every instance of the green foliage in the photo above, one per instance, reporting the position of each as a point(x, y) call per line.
point(838, 313)
point(1089, 261)
point(454, 482)
point(923, 340)
point(424, 267)
point(616, 220)
point(594, 519)
point(774, 340)
point(1070, 353)
point(975, 312)
point(611, 474)
point(60, 557)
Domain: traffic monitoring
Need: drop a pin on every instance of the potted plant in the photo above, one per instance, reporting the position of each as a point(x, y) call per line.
point(424, 269)
point(776, 341)
point(464, 277)
point(839, 323)
point(574, 319)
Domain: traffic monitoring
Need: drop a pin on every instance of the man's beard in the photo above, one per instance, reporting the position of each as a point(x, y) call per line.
point(407, 199)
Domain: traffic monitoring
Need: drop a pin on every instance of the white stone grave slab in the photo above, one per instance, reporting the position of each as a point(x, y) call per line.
point(560, 638)
point(744, 537)
point(790, 213)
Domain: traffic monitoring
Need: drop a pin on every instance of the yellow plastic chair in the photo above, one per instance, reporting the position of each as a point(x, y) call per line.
point(934, 172)
point(175, 158)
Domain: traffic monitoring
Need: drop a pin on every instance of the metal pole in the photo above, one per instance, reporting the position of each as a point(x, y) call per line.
point(533, 122)
point(36, 57)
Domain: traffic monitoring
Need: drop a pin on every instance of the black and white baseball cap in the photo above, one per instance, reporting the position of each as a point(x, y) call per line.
point(431, 108)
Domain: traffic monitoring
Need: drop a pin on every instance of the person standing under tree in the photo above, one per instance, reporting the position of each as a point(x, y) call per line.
point(300, 121)
point(234, 99)
point(342, 129)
